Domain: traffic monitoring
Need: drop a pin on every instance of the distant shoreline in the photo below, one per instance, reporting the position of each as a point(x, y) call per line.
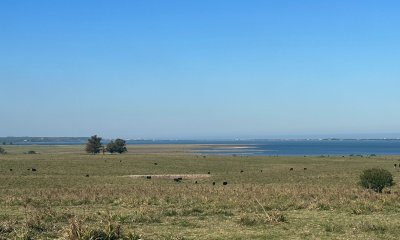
point(82, 140)
point(249, 148)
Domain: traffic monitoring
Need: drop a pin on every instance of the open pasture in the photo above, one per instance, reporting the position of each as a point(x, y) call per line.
point(262, 198)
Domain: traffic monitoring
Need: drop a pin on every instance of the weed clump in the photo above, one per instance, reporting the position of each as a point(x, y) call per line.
point(270, 218)
point(373, 227)
point(248, 221)
point(2, 151)
point(5, 228)
point(376, 179)
point(333, 228)
point(109, 232)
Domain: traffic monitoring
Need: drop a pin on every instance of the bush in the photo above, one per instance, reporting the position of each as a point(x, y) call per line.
point(31, 152)
point(2, 151)
point(376, 179)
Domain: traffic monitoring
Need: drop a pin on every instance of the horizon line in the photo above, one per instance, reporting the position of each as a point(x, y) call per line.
point(214, 139)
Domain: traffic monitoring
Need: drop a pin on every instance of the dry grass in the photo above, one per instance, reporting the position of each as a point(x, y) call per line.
point(59, 201)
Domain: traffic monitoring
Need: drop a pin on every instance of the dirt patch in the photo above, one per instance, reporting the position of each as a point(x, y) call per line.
point(172, 176)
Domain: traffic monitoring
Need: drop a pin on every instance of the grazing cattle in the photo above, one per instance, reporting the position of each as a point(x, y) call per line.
point(395, 165)
point(148, 177)
point(305, 168)
point(87, 175)
point(180, 178)
point(195, 182)
point(260, 170)
point(291, 169)
point(34, 170)
point(28, 169)
point(225, 183)
point(209, 172)
point(10, 169)
point(120, 160)
point(177, 179)
point(241, 171)
point(213, 183)
point(155, 163)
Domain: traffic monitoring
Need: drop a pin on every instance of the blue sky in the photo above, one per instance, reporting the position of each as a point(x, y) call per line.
point(199, 69)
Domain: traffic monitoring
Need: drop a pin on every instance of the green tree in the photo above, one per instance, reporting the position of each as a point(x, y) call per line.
point(94, 145)
point(117, 146)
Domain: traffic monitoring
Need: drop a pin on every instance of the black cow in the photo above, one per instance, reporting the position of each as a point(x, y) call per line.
point(177, 179)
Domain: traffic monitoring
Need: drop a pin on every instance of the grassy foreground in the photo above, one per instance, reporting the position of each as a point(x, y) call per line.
point(265, 201)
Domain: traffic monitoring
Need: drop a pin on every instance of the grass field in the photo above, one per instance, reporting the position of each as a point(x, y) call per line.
point(265, 201)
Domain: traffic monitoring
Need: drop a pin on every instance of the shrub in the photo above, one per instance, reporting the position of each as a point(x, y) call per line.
point(31, 152)
point(376, 179)
point(2, 151)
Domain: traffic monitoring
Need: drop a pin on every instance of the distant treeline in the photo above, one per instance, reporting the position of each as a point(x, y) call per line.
point(30, 140)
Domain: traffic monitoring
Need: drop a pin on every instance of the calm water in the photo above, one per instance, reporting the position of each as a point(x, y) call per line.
point(274, 147)
point(307, 147)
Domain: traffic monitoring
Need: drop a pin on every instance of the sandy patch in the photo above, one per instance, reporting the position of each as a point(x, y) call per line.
point(172, 176)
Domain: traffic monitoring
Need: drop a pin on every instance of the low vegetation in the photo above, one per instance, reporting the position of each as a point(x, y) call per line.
point(109, 231)
point(376, 179)
point(74, 195)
